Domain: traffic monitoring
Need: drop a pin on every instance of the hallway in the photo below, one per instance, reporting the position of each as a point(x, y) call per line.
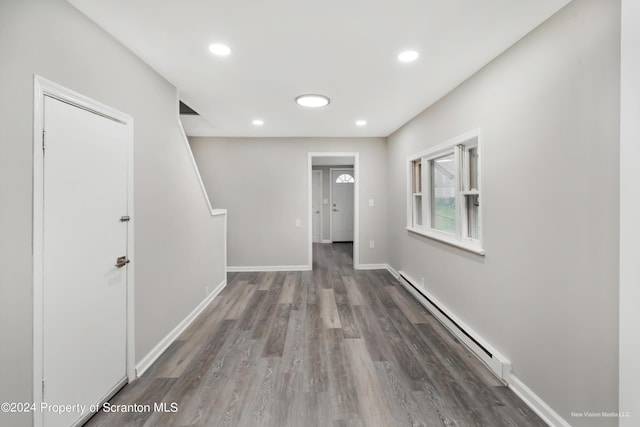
point(332, 347)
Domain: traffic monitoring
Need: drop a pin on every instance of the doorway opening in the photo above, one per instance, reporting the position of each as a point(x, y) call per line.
point(333, 203)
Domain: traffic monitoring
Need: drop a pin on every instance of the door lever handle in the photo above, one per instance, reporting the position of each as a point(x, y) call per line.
point(122, 261)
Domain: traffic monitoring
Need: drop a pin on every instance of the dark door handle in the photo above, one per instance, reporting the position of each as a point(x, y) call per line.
point(122, 261)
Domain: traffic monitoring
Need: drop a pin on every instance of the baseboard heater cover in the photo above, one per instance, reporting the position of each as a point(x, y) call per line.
point(487, 354)
point(444, 313)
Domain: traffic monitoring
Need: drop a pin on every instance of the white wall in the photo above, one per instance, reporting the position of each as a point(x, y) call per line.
point(629, 214)
point(178, 244)
point(263, 184)
point(546, 294)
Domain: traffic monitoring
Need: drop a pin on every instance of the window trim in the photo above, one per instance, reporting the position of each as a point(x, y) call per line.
point(460, 147)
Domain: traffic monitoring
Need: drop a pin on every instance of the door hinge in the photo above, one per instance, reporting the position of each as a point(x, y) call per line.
point(43, 134)
point(43, 389)
point(125, 218)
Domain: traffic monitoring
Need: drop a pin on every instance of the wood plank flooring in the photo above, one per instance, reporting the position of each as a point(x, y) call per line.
point(333, 347)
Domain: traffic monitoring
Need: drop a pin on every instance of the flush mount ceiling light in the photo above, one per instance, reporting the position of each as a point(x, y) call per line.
point(312, 101)
point(258, 122)
point(408, 56)
point(361, 123)
point(219, 49)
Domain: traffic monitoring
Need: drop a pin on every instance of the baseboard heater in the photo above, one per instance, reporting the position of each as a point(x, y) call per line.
point(487, 354)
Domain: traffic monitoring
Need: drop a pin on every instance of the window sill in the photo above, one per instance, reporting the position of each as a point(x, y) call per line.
point(469, 247)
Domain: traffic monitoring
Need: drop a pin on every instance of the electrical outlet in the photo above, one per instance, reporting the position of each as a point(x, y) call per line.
point(422, 282)
point(372, 244)
point(206, 290)
point(298, 223)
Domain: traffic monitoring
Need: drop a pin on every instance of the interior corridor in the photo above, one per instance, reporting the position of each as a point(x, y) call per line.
point(332, 347)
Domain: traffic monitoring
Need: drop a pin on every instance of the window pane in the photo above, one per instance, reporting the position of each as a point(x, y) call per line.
point(473, 208)
point(443, 194)
point(417, 176)
point(473, 169)
point(417, 210)
point(416, 169)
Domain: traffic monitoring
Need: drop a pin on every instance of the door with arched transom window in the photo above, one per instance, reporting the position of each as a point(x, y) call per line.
point(342, 187)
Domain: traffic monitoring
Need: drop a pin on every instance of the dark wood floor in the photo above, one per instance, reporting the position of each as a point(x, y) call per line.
point(332, 347)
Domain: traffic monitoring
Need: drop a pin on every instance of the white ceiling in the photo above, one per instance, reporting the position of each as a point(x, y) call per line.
point(345, 49)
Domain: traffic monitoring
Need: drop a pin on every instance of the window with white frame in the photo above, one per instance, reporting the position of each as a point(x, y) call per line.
point(443, 200)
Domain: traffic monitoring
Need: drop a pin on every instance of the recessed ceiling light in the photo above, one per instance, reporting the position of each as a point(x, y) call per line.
point(408, 56)
point(219, 49)
point(361, 123)
point(312, 101)
point(258, 122)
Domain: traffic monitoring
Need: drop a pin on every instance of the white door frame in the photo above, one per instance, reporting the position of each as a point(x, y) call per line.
point(331, 198)
point(629, 316)
point(356, 204)
point(42, 88)
point(321, 197)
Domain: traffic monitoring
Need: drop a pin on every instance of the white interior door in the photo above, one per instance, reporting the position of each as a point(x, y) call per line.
point(316, 204)
point(85, 316)
point(342, 183)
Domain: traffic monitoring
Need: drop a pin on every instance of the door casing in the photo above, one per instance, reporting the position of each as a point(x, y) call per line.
point(42, 88)
point(318, 197)
point(350, 157)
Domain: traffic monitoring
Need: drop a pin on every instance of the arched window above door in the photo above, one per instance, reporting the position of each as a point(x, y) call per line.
point(345, 178)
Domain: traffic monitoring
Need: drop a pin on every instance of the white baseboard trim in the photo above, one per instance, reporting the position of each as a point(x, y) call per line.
point(499, 364)
point(245, 269)
point(387, 267)
point(326, 241)
point(148, 360)
point(370, 267)
point(538, 405)
point(393, 272)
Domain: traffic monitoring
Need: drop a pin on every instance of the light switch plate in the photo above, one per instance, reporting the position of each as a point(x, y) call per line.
point(371, 203)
